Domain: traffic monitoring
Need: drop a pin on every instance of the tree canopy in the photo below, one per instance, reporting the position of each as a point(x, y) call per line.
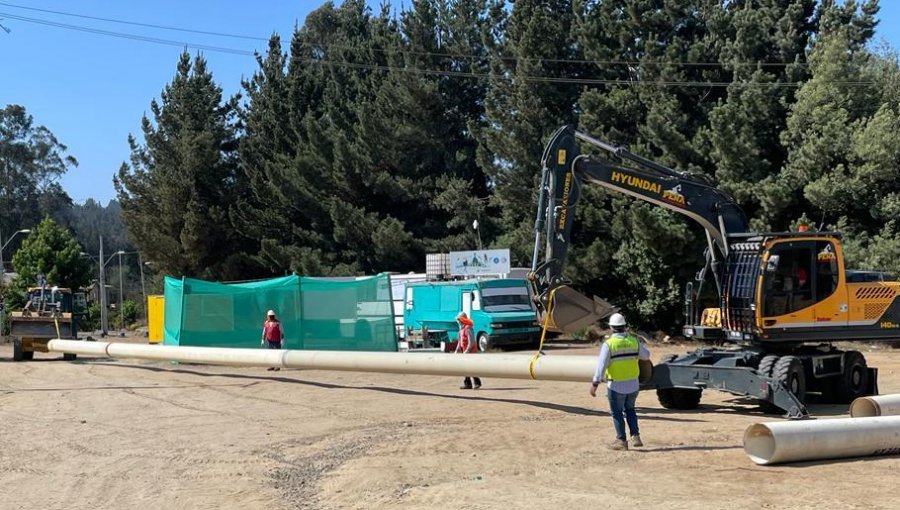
point(51, 250)
point(374, 137)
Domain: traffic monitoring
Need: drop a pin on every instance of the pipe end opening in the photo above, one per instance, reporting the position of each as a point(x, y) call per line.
point(864, 407)
point(759, 443)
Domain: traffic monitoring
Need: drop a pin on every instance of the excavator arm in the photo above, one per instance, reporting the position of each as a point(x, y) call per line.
point(565, 169)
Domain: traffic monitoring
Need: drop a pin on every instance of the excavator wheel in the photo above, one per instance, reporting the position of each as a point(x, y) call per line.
point(679, 398)
point(766, 364)
point(787, 370)
point(854, 381)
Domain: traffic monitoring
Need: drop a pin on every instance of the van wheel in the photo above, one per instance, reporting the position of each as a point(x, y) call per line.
point(484, 342)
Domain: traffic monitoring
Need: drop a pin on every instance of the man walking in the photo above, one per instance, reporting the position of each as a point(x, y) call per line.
point(617, 365)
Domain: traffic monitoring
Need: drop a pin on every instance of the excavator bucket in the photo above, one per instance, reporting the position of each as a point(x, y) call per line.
point(572, 311)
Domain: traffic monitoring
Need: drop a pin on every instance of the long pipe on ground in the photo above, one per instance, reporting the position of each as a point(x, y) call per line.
point(546, 368)
point(796, 441)
point(879, 405)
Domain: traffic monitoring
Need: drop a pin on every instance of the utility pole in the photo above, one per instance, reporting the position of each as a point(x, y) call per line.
point(121, 300)
point(143, 287)
point(104, 319)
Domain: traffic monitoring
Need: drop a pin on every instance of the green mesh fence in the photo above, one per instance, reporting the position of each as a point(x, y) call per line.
point(315, 313)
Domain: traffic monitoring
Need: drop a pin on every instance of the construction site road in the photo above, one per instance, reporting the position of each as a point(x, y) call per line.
point(114, 434)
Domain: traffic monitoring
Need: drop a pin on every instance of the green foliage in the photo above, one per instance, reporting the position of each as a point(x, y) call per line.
point(31, 159)
point(377, 138)
point(356, 170)
point(130, 310)
point(520, 112)
point(52, 251)
point(176, 192)
point(91, 320)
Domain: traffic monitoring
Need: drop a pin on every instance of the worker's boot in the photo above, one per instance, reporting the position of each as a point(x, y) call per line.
point(619, 444)
point(467, 384)
point(636, 441)
point(477, 383)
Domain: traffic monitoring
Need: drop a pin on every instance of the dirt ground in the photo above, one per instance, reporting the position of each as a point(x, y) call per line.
point(131, 434)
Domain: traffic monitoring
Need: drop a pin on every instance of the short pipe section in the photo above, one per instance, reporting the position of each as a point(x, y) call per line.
point(878, 405)
point(797, 441)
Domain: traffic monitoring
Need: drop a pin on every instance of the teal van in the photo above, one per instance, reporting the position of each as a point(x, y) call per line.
point(501, 310)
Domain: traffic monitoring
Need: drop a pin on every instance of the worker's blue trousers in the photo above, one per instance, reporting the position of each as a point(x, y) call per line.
point(621, 405)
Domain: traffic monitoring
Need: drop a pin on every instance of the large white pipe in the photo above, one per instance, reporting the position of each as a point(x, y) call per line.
point(795, 441)
point(510, 366)
point(879, 405)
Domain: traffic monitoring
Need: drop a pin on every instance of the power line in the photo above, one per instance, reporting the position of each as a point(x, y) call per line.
point(135, 23)
point(124, 35)
point(420, 71)
point(426, 53)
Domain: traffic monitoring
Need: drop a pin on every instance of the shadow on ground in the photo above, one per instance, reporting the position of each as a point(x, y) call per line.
point(476, 395)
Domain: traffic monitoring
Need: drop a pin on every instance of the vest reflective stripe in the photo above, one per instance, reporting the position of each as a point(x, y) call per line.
point(623, 358)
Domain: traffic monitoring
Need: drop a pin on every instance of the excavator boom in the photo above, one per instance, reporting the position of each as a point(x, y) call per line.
point(565, 169)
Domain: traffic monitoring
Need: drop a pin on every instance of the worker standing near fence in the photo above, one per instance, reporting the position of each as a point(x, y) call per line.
point(272, 334)
point(617, 365)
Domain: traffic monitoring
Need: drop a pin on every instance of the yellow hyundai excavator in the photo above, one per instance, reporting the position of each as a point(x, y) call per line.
point(784, 297)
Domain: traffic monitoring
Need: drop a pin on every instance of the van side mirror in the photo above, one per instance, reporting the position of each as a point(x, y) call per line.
point(772, 263)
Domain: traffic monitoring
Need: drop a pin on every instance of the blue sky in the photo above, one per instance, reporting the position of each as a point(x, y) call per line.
point(91, 90)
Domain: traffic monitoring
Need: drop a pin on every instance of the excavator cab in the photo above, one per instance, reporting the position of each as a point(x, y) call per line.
point(780, 287)
point(802, 292)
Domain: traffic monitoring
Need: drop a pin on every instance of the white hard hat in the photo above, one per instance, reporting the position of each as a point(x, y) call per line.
point(617, 319)
point(271, 313)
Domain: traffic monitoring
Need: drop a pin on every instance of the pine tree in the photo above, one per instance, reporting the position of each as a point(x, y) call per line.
point(176, 192)
point(829, 108)
point(529, 50)
point(644, 50)
point(764, 50)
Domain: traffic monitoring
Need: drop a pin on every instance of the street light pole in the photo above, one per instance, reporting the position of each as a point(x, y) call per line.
point(475, 226)
point(3, 245)
point(3, 271)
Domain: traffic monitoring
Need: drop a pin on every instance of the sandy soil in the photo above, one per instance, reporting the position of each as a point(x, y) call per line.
point(130, 434)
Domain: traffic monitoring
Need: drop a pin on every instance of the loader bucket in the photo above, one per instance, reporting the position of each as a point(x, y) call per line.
point(572, 311)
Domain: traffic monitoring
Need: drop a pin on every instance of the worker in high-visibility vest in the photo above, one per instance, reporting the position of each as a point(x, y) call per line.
point(617, 365)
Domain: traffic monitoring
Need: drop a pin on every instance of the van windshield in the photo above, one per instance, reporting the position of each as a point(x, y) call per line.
point(506, 299)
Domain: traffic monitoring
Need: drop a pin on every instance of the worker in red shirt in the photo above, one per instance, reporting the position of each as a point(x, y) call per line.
point(801, 277)
point(466, 344)
point(272, 334)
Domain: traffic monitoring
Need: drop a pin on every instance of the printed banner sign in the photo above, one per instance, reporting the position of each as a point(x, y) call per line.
point(480, 262)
